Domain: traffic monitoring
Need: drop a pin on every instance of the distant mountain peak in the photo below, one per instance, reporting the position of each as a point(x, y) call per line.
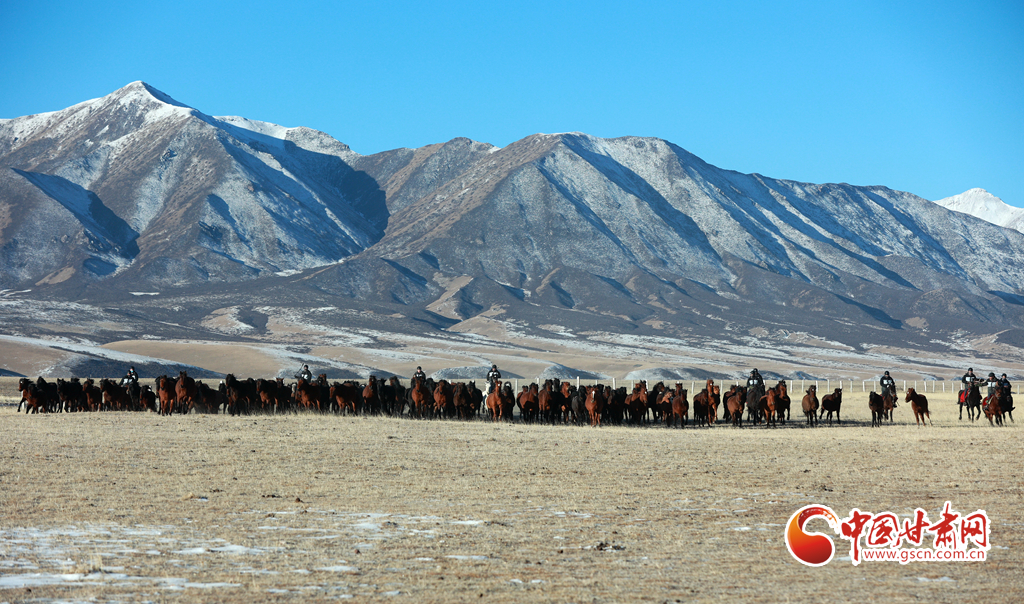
point(981, 204)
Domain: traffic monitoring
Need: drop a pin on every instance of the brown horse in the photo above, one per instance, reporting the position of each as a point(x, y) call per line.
point(993, 407)
point(371, 396)
point(769, 407)
point(888, 405)
point(307, 395)
point(186, 393)
point(444, 404)
point(165, 391)
point(810, 405)
point(636, 402)
point(782, 401)
point(877, 406)
point(919, 404)
point(420, 397)
point(33, 397)
point(546, 402)
point(680, 407)
point(495, 403)
point(529, 403)
point(594, 405)
point(346, 397)
point(735, 401)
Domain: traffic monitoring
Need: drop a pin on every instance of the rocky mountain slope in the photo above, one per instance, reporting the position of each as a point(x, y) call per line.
point(136, 192)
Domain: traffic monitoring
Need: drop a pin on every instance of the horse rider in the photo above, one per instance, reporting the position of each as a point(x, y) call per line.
point(968, 380)
point(992, 383)
point(755, 381)
point(888, 384)
point(1004, 383)
point(492, 377)
point(419, 375)
point(131, 377)
point(305, 374)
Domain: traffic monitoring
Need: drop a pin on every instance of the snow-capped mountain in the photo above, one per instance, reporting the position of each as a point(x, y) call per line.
point(137, 185)
point(982, 204)
point(137, 190)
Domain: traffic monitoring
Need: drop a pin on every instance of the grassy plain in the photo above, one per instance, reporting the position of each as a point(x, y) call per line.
point(137, 507)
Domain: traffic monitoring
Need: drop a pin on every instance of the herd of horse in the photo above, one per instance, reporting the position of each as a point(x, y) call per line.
point(552, 402)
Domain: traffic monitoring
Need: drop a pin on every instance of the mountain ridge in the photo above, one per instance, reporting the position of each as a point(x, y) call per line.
point(137, 191)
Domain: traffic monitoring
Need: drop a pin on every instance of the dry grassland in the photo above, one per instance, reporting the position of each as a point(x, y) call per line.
point(137, 507)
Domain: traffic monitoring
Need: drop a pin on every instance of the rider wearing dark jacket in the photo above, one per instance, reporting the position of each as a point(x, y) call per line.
point(887, 383)
point(1004, 383)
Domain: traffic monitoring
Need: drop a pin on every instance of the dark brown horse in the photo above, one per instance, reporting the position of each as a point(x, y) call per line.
point(115, 397)
point(970, 398)
point(832, 403)
point(782, 401)
point(888, 405)
point(877, 407)
point(186, 393)
point(34, 398)
point(93, 396)
point(345, 397)
point(919, 404)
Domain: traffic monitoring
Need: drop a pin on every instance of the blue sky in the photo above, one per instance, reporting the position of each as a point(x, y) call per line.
point(926, 97)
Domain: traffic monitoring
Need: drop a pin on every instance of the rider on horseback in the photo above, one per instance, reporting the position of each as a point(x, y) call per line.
point(887, 383)
point(1004, 383)
point(992, 383)
point(131, 377)
point(305, 374)
point(492, 377)
point(755, 381)
point(419, 375)
point(968, 380)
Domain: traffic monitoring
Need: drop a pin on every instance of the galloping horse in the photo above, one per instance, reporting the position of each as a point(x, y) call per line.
point(782, 401)
point(735, 400)
point(186, 392)
point(970, 398)
point(420, 398)
point(165, 391)
point(594, 405)
point(33, 397)
point(832, 402)
point(993, 407)
point(919, 404)
point(680, 407)
point(769, 407)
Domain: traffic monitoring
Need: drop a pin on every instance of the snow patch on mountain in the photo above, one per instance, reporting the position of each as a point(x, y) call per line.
point(986, 206)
